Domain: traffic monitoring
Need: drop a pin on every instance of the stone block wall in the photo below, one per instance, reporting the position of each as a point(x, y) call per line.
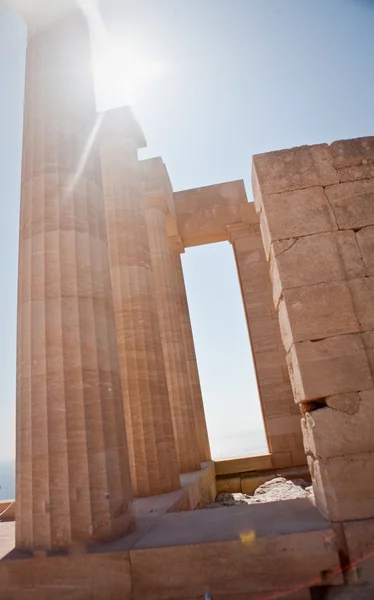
point(316, 208)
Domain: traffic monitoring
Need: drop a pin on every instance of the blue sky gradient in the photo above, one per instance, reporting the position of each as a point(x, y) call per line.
point(241, 77)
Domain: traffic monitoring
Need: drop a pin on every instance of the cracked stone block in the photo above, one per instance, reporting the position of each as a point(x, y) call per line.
point(365, 240)
point(330, 366)
point(329, 432)
point(318, 258)
point(363, 299)
point(315, 312)
point(295, 214)
point(344, 486)
point(352, 203)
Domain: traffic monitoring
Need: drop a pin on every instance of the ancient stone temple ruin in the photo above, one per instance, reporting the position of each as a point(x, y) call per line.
point(113, 461)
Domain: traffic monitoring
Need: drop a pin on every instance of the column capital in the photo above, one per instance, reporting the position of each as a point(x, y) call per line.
point(241, 230)
point(176, 243)
point(121, 125)
point(155, 200)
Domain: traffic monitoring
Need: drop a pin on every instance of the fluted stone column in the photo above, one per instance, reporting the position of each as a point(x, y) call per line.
point(165, 281)
point(73, 481)
point(153, 460)
point(190, 355)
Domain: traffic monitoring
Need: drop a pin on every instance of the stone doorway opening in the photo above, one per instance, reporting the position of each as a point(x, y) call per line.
point(227, 372)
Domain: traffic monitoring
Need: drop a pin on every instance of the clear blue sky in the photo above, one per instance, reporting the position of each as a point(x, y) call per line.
point(241, 77)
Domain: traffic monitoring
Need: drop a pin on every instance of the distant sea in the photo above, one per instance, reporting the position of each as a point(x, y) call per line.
point(7, 480)
point(244, 443)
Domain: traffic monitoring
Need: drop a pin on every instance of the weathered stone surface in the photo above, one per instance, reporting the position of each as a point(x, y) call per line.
point(344, 486)
point(353, 159)
point(346, 403)
point(305, 261)
point(312, 259)
point(331, 366)
point(360, 544)
point(350, 254)
point(352, 203)
point(348, 152)
point(100, 576)
point(297, 213)
point(203, 214)
point(365, 239)
point(234, 543)
point(363, 299)
point(293, 169)
point(228, 485)
point(310, 312)
point(329, 432)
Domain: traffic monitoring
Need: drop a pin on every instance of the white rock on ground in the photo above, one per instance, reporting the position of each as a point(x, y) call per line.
point(275, 490)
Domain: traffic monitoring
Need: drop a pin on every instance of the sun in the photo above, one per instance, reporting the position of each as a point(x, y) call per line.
point(121, 74)
point(121, 71)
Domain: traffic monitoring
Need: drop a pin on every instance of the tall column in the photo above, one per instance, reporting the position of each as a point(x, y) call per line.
point(73, 481)
point(317, 221)
point(189, 348)
point(171, 335)
point(153, 460)
point(281, 414)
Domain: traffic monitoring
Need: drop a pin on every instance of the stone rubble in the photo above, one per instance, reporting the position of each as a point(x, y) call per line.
point(275, 490)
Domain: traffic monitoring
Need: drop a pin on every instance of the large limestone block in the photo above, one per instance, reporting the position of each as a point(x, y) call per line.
point(98, 576)
point(359, 536)
point(329, 432)
point(363, 299)
point(229, 567)
point(316, 311)
point(344, 486)
point(348, 152)
point(352, 203)
point(296, 168)
point(365, 239)
point(294, 214)
point(314, 259)
point(330, 366)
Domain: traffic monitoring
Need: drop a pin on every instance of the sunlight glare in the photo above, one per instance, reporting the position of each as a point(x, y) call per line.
point(122, 74)
point(121, 71)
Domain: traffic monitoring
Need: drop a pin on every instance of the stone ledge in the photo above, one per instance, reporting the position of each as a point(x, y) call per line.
point(184, 555)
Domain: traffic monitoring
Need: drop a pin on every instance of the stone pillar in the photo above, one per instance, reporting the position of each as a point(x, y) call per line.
point(317, 222)
point(164, 277)
point(153, 460)
point(73, 482)
point(189, 348)
point(281, 414)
